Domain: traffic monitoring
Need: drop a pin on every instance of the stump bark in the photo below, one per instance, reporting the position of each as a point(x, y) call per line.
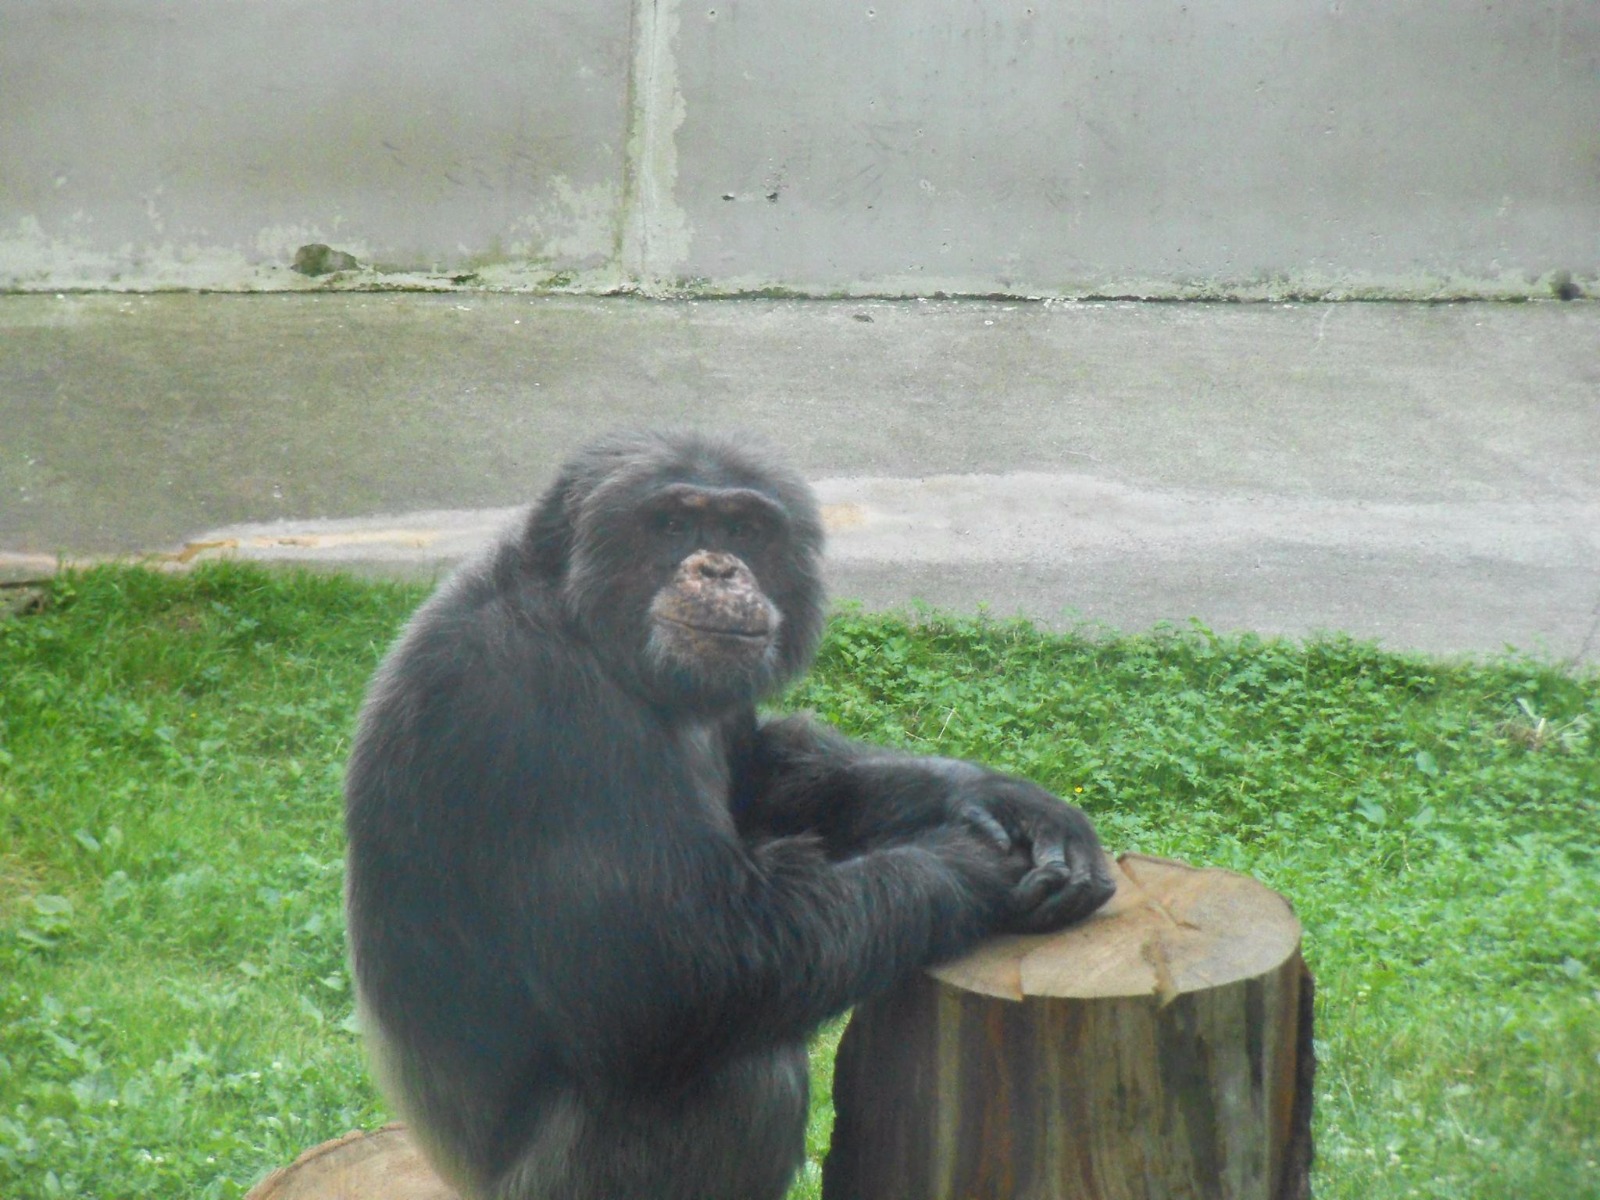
point(382, 1165)
point(1161, 1049)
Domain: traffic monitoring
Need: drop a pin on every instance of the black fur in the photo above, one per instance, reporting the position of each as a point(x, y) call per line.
point(596, 906)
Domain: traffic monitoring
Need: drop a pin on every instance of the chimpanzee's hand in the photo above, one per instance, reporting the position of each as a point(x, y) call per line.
point(1064, 875)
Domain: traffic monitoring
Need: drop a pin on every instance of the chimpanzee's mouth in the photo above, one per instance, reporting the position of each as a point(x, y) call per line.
point(750, 633)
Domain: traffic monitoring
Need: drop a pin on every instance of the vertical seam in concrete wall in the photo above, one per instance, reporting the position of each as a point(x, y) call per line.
point(655, 238)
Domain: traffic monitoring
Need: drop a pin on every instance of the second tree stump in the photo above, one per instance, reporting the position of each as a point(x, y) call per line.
point(1161, 1049)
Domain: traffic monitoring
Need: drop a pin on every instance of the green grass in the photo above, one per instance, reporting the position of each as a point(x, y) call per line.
point(174, 1007)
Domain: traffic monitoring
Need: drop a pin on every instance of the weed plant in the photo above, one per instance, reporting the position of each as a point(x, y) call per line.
point(175, 1012)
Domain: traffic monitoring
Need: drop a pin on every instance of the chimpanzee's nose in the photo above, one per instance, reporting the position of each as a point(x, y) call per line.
point(711, 564)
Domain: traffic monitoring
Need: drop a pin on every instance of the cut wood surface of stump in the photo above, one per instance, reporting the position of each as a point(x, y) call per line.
point(382, 1165)
point(1160, 1049)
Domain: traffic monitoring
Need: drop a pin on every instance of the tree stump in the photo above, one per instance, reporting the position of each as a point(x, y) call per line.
point(1161, 1049)
point(383, 1165)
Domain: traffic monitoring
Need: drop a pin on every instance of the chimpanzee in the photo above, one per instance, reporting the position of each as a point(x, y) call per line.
point(596, 904)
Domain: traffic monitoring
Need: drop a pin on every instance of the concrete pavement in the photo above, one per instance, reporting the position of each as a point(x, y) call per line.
point(1428, 476)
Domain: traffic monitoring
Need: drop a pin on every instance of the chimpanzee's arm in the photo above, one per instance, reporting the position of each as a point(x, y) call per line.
point(795, 775)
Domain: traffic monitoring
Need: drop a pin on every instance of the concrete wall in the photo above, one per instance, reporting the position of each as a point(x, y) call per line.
point(1218, 147)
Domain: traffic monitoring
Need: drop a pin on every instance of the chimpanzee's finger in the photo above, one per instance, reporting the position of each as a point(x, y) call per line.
point(1035, 889)
point(1049, 848)
point(987, 826)
point(1086, 861)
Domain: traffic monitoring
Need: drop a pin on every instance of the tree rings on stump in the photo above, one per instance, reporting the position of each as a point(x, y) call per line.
point(1160, 1049)
point(382, 1165)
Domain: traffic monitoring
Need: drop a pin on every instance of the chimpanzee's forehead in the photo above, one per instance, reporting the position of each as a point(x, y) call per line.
point(686, 466)
point(646, 483)
point(694, 498)
point(709, 469)
point(627, 476)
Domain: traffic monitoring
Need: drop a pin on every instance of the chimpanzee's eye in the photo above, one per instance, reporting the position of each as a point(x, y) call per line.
point(674, 526)
point(744, 532)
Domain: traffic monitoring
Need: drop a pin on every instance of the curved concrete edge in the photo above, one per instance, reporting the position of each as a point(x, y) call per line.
point(1067, 550)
